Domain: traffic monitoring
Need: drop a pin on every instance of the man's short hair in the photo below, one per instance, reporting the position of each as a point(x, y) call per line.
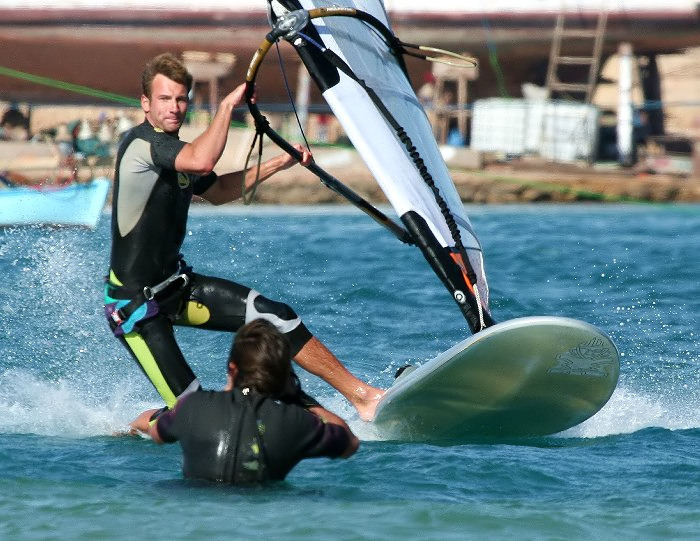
point(261, 353)
point(166, 64)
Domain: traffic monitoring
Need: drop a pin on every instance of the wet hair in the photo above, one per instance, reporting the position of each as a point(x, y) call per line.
point(262, 356)
point(166, 64)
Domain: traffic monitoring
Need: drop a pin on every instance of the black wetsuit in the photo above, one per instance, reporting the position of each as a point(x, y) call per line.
point(150, 204)
point(234, 438)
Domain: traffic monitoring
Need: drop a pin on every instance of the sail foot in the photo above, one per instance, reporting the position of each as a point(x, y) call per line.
point(450, 268)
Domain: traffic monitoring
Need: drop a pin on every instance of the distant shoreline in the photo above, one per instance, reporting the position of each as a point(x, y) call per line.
point(478, 179)
point(514, 182)
point(481, 179)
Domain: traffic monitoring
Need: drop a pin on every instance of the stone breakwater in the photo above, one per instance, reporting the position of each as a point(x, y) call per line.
point(477, 179)
point(496, 184)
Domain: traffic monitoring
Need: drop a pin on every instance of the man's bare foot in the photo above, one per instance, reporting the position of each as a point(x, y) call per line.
point(366, 400)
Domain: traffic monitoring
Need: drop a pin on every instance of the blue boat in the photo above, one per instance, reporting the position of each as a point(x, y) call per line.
point(77, 204)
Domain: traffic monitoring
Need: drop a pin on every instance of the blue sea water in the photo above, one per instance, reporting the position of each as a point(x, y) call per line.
point(630, 472)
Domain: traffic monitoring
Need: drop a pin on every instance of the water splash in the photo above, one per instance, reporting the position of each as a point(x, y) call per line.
point(630, 411)
point(32, 405)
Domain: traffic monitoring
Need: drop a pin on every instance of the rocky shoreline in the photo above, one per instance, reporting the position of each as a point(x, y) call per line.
point(496, 183)
point(478, 181)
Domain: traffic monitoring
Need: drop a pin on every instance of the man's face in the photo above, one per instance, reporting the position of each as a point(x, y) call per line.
point(167, 106)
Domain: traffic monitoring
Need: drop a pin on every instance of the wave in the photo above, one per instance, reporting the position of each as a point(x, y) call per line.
point(32, 405)
point(630, 411)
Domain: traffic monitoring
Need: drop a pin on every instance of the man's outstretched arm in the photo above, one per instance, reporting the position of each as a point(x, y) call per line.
point(229, 187)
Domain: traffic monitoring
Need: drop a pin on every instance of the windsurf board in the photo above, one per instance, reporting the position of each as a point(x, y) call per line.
point(528, 376)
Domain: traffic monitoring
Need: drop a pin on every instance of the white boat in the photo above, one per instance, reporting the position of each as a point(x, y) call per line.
point(77, 204)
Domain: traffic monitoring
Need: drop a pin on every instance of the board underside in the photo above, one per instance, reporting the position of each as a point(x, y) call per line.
point(529, 376)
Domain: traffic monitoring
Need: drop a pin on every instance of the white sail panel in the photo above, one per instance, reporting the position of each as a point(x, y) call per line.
point(365, 51)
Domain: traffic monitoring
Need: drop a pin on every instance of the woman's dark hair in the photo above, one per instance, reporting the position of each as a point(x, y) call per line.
point(166, 64)
point(262, 356)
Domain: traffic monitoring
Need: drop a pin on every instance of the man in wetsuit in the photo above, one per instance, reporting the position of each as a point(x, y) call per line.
point(244, 435)
point(149, 287)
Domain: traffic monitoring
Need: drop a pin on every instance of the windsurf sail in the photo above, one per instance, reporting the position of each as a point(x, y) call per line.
point(356, 61)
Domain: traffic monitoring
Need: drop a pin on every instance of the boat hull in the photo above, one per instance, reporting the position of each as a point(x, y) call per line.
point(73, 205)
